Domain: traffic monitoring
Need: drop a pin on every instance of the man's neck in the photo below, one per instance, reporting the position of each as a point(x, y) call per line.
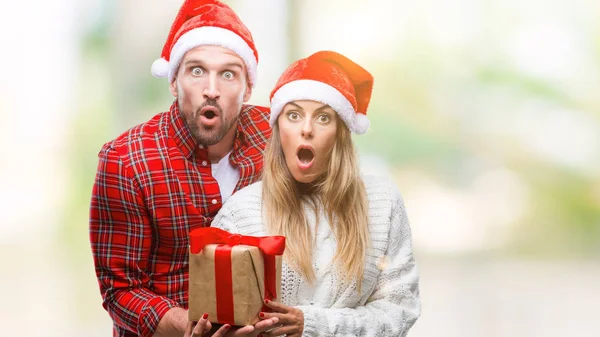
point(221, 149)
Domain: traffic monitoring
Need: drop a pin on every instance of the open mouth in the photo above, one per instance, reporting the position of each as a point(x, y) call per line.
point(305, 154)
point(209, 112)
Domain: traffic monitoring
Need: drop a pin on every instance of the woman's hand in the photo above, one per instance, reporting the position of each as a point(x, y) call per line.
point(255, 330)
point(203, 327)
point(291, 320)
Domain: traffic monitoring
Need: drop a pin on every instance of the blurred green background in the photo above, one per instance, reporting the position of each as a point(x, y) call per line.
point(485, 113)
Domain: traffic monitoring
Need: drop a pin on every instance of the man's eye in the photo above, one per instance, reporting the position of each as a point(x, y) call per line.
point(197, 71)
point(228, 75)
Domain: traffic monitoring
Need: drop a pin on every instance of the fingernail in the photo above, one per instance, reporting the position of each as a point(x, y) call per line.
point(262, 315)
point(205, 316)
point(267, 301)
point(227, 326)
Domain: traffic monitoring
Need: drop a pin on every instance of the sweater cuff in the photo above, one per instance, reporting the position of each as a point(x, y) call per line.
point(310, 321)
point(151, 314)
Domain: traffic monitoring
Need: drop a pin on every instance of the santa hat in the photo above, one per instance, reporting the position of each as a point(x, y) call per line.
point(330, 78)
point(206, 22)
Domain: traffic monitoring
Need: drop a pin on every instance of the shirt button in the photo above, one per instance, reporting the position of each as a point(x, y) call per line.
point(214, 201)
point(204, 163)
point(201, 146)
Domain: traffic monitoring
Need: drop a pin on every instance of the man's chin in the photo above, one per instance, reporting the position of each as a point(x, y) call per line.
point(212, 134)
point(211, 130)
point(209, 137)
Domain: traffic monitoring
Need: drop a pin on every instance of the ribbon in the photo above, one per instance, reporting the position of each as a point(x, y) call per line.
point(270, 246)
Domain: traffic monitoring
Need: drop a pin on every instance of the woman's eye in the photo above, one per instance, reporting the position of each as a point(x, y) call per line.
point(228, 75)
point(197, 71)
point(323, 118)
point(293, 116)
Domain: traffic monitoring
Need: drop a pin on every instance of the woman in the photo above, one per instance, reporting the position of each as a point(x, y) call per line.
point(348, 267)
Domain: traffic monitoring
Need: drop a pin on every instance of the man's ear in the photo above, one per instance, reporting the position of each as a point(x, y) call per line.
point(248, 92)
point(173, 87)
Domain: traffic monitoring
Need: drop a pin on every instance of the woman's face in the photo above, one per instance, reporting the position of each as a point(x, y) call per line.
point(308, 132)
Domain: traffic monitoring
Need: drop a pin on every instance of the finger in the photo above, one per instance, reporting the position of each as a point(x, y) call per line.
point(281, 318)
point(202, 326)
point(267, 324)
point(243, 331)
point(267, 315)
point(284, 330)
point(278, 307)
point(189, 328)
point(222, 330)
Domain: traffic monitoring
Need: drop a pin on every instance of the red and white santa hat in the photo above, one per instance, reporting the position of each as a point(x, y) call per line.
point(330, 78)
point(206, 22)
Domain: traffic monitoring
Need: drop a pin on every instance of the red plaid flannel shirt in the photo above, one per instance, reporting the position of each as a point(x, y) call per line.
point(154, 185)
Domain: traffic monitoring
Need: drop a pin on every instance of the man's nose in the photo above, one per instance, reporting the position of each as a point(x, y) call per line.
point(212, 87)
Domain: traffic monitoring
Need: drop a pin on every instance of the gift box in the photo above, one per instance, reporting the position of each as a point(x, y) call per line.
point(230, 275)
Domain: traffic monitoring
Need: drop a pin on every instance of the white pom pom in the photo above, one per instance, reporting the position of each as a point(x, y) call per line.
point(361, 124)
point(160, 68)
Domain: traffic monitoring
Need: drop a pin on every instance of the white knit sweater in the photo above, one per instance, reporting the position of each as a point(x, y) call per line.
point(388, 304)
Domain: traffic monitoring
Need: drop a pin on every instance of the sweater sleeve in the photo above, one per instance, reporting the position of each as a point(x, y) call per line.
point(394, 305)
point(241, 213)
point(225, 219)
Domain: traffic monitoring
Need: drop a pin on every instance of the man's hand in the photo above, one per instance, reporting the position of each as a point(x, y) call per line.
point(172, 324)
point(291, 320)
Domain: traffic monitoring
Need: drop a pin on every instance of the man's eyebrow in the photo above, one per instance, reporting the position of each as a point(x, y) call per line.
point(226, 65)
point(193, 61)
point(233, 64)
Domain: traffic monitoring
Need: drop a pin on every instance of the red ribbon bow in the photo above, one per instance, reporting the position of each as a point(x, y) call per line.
point(270, 246)
point(200, 237)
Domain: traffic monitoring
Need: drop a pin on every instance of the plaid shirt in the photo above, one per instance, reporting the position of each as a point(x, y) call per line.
point(153, 186)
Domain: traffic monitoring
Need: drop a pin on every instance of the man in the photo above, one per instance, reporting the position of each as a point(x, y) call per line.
point(161, 179)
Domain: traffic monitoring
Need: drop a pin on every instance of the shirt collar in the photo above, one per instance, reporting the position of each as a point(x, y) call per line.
point(180, 132)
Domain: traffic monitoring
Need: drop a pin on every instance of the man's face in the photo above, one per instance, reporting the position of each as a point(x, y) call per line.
point(210, 88)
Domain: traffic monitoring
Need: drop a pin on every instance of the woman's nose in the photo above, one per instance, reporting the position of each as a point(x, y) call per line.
point(307, 130)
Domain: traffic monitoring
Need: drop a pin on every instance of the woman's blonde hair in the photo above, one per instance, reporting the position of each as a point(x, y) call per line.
point(340, 191)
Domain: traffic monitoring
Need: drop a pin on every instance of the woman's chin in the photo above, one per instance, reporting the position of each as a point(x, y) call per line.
point(304, 178)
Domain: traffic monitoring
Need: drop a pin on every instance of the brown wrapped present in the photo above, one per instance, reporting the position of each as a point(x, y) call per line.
point(231, 275)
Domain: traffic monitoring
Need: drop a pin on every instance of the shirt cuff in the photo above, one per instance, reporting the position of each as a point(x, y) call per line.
point(310, 321)
point(151, 314)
